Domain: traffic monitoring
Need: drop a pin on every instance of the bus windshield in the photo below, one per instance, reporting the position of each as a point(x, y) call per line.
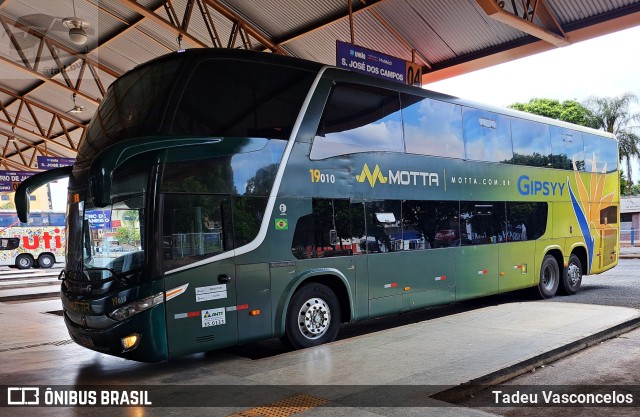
point(112, 243)
point(108, 242)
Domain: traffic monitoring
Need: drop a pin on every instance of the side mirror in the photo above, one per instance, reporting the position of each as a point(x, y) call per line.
point(21, 198)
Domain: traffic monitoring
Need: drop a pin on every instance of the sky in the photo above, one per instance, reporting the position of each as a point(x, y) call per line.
point(606, 66)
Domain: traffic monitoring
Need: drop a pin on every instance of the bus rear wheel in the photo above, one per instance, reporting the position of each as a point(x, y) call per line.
point(549, 277)
point(572, 276)
point(313, 317)
point(24, 261)
point(46, 261)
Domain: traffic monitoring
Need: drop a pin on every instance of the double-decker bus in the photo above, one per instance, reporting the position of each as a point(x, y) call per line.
point(40, 241)
point(277, 197)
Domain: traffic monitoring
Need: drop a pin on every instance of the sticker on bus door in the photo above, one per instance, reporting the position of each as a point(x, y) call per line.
point(213, 317)
point(211, 292)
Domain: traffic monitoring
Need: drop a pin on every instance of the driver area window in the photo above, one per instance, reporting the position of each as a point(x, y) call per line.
point(195, 227)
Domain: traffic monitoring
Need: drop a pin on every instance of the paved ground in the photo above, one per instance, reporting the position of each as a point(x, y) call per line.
point(368, 372)
point(612, 366)
point(386, 373)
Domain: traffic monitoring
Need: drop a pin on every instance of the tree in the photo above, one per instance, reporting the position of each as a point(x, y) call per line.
point(569, 110)
point(612, 114)
point(128, 234)
point(626, 188)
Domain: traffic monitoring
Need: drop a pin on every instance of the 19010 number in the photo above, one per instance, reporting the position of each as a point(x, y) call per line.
point(318, 176)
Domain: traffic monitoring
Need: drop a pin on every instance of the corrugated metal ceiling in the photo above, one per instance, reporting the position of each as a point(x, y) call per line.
point(124, 33)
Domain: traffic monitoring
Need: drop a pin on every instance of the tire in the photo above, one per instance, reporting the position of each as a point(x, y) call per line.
point(46, 261)
point(572, 276)
point(549, 277)
point(313, 317)
point(24, 261)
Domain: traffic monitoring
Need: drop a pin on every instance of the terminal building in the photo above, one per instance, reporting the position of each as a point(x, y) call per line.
point(629, 219)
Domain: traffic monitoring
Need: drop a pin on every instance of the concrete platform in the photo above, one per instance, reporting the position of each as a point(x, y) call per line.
point(350, 376)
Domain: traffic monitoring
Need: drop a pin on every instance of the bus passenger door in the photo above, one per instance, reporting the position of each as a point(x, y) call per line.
point(201, 296)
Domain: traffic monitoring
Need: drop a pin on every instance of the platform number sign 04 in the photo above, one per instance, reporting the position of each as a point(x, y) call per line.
point(414, 74)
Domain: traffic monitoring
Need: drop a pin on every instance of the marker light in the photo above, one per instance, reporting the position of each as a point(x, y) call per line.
point(130, 342)
point(136, 307)
point(254, 313)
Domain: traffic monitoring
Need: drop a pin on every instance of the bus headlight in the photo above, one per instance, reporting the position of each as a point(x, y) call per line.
point(136, 307)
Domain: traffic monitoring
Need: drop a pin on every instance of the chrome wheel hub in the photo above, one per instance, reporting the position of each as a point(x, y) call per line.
point(573, 272)
point(314, 318)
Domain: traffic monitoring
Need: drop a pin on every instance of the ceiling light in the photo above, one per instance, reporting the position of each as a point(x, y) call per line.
point(76, 27)
point(76, 108)
point(76, 31)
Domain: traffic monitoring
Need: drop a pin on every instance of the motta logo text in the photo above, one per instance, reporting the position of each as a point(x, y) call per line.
point(398, 177)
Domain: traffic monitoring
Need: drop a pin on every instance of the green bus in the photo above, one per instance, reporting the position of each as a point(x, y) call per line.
point(267, 196)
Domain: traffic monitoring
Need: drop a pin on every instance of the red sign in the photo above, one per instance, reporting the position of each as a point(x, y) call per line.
point(116, 223)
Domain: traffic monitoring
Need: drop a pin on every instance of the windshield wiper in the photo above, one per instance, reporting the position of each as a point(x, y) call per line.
point(122, 279)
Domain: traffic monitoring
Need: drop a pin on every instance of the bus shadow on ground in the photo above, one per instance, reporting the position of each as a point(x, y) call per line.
point(273, 347)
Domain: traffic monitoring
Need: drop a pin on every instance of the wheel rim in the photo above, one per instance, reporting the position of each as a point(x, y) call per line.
point(46, 261)
point(548, 278)
point(573, 273)
point(24, 262)
point(314, 318)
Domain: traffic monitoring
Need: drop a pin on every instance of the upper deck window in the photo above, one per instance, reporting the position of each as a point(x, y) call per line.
point(568, 148)
point(487, 136)
point(240, 99)
point(432, 127)
point(600, 154)
point(184, 97)
point(133, 107)
point(359, 118)
point(531, 143)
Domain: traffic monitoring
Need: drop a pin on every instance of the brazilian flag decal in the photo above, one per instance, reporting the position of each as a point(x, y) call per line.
point(282, 224)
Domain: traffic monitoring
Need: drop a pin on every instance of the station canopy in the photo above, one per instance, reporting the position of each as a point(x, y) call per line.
point(58, 57)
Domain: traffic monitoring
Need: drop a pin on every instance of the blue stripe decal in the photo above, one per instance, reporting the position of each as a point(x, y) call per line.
point(584, 224)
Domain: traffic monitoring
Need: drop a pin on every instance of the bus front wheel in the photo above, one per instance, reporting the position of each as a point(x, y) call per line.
point(46, 261)
point(313, 317)
point(549, 277)
point(572, 276)
point(24, 261)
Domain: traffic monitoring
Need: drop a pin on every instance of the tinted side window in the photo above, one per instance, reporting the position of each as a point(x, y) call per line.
point(57, 219)
point(531, 143)
point(359, 118)
point(8, 219)
point(248, 213)
point(38, 219)
point(250, 173)
point(432, 127)
point(482, 222)
point(609, 215)
point(567, 147)
point(324, 233)
point(526, 221)
point(232, 98)
point(487, 136)
point(603, 151)
point(431, 224)
point(195, 227)
point(384, 227)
